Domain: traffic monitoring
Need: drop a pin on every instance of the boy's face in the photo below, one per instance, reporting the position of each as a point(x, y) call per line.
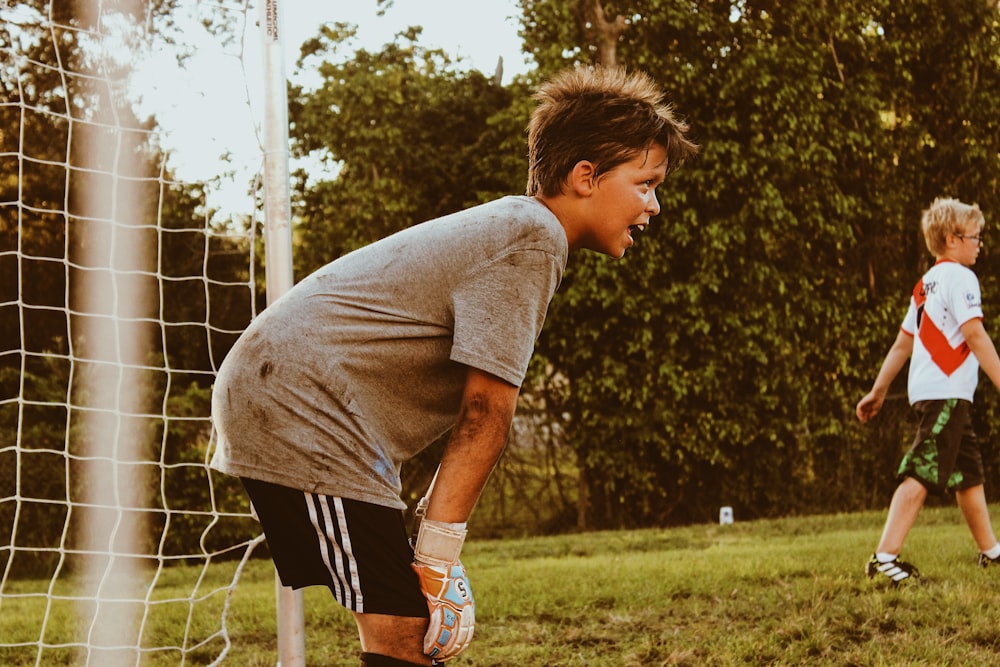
point(623, 200)
point(967, 243)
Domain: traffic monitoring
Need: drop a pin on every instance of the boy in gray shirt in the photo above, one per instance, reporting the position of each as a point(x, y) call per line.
point(371, 358)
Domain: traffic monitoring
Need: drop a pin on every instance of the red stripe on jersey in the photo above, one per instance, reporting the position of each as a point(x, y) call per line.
point(944, 356)
point(919, 297)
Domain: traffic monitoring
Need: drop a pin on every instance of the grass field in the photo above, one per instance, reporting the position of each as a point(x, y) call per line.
point(781, 592)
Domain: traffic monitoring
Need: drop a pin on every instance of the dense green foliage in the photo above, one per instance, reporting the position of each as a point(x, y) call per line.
point(400, 137)
point(720, 362)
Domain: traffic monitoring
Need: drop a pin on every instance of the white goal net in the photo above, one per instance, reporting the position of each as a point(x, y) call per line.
point(128, 266)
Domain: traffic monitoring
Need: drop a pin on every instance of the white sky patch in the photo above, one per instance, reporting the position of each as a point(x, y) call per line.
point(209, 107)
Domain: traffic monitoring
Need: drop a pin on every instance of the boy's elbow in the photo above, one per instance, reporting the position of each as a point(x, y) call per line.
point(974, 331)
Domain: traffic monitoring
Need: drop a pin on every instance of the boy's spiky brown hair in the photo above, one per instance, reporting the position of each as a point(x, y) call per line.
point(603, 115)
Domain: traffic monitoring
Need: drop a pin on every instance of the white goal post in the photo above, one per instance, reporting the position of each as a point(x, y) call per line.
point(123, 281)
point(278, 245)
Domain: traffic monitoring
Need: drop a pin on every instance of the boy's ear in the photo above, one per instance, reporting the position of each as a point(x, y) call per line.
point(581, 178)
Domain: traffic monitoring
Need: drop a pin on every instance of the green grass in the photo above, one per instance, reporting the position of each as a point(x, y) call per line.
point(781, 592)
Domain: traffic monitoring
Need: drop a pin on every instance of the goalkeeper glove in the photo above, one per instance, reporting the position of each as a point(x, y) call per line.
point(445, 585)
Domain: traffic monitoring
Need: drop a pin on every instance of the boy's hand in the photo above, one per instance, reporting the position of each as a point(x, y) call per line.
point(452, 609)
point(869, 406)
point(445, 585)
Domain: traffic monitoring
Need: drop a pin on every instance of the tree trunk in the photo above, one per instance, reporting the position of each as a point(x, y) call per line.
point(599, 29)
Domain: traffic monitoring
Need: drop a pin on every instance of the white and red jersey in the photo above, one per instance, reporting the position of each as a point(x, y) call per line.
point(942, 365)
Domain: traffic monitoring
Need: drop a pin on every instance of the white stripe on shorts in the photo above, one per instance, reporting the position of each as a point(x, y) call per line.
point(343, 568)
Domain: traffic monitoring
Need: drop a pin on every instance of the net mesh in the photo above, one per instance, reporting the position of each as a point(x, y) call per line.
point(125, 275)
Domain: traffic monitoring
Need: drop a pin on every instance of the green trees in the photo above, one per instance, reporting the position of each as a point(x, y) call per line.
point(399, 136)
point(720, 362)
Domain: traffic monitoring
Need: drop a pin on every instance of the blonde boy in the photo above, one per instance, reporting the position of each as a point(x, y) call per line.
point(943, 337)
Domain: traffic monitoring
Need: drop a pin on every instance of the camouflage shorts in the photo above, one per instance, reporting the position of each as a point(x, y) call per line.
point(944, 455)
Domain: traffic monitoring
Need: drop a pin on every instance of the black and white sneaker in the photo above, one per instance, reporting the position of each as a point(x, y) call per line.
point(986, 561)
point(896, 570)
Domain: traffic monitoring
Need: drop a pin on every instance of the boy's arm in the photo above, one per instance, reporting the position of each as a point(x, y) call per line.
point(894, 361)
point(477, 441)
point(982, 346)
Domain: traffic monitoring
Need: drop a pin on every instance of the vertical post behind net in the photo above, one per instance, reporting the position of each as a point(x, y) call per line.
point(113, 345)
point(278, 260)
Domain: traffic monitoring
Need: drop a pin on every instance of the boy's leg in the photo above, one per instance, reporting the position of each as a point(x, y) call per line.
point(943, 433)
point(359, 551)
point(971, 497)
point(972, 502)
point(906, 504)
point(376, 660)
point(398, 637)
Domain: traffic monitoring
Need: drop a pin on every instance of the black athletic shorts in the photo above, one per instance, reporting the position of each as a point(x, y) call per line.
point(360, 551)
point(944, 455)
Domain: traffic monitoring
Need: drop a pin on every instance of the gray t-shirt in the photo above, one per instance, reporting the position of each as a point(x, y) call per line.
point(362, 364)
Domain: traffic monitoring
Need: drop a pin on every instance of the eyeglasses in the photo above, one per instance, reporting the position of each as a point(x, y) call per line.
point(978, 238)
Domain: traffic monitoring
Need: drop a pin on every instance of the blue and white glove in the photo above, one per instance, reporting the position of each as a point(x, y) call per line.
point(445, 585)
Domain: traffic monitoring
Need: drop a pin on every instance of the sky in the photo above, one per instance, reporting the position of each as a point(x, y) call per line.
point(203, 107)
point(478, 30)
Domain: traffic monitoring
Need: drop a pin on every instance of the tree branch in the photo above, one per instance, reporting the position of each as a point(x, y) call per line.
point(605, 33)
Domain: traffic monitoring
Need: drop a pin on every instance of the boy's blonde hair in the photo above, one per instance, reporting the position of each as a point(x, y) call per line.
point(948, 216)
point(603, 115)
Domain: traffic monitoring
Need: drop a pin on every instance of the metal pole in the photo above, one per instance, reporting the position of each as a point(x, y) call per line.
point(278, 266)
point(277, 200)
